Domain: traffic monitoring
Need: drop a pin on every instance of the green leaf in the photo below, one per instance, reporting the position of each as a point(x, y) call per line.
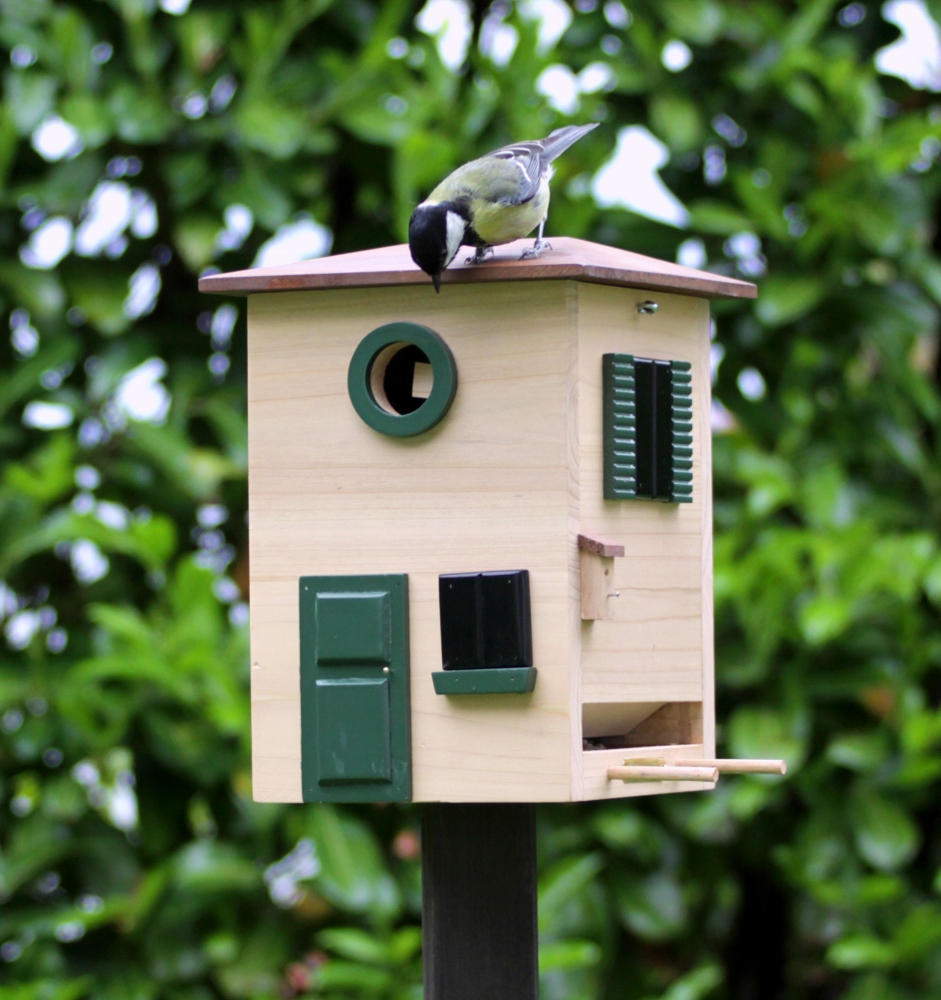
point(31, 97)
point(24, 381)
point(565, 880)
point(556, 956)
point(823, 617)
point(49, 989)
point(861, 951)
point(862, 752)
point(884, 833)
point(50, 473)
point(352, 874)
point(785, 299)
point(37, 291)
point(271, 128)
point(652, 907)
point(695, 985)
point(677, 120)
point(195, 239)
point(354, 944)
point(697, 22)
point(140, 117)
point(345, 976)
point(919, 934)
point(716, 217)
point(100, 292)
point(206, 867)
point(767, 733)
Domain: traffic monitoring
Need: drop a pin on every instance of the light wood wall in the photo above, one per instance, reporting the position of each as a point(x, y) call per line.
point(655, 648)
point(490, 488)
point(506, 481)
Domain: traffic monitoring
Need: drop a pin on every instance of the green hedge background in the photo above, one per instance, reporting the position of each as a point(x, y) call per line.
point(134, 864)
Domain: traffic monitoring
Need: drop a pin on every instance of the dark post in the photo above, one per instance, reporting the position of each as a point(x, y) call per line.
point(479, 902)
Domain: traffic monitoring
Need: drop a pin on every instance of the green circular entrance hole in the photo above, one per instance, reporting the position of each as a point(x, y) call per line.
point(402, 379)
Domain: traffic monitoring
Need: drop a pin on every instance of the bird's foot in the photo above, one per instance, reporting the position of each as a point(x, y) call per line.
point(536, 250)
point(480, 255)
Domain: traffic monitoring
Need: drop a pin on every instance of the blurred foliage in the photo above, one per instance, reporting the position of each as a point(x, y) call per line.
point(134, 864)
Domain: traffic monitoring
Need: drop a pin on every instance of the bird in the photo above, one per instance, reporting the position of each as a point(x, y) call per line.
point(496, 199)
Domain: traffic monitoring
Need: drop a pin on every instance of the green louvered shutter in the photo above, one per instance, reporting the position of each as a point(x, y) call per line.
point(648, 426)
point(682, 431)
point(620, 427)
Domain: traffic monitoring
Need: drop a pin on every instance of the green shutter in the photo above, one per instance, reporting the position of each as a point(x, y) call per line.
point(620, 427)
point(647, 429)
point(355, 713)
point(682, 385)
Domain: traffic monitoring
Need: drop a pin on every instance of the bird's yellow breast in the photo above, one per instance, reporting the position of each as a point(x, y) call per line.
point(495, 223)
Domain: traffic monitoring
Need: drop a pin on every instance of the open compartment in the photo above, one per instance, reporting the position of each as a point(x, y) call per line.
point(641, 724)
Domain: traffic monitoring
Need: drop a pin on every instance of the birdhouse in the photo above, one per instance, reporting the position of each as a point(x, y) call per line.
point(480, 527)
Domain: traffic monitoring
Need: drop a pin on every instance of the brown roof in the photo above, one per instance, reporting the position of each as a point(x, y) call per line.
point(568, 258)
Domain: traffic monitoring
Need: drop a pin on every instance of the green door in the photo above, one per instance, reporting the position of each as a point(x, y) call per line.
point(355, 718)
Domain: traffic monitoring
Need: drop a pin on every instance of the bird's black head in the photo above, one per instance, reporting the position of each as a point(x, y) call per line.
point(435, 233)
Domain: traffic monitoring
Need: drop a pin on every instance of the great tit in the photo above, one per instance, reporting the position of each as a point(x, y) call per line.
point(499, 198)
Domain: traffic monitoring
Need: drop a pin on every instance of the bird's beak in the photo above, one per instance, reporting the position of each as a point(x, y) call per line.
point(436, 278)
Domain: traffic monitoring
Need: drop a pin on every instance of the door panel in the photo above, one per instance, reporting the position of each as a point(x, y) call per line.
point(347, 750)
point(355, 713)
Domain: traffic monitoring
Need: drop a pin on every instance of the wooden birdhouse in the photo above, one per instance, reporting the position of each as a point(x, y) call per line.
point(480, 527)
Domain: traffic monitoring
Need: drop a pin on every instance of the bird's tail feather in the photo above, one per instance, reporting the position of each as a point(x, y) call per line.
point(560, 140)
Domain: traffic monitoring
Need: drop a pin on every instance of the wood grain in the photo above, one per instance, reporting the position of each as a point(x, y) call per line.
point(597, 582)
point(677, 722)
point(568, 258)
point(487, 489)
point(649, 649)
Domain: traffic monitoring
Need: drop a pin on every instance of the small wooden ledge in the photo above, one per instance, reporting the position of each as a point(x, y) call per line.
point(600, 546)
point(596, 559)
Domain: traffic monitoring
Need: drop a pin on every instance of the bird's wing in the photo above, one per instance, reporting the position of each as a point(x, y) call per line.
point(532, 159)
point(560, 140)
point(495, 178)
point(512, 174)
point(528, 162)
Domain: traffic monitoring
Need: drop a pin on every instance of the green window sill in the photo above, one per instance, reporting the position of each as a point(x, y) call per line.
point(490, 680)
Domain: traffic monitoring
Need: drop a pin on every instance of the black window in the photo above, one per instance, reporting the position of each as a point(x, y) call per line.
point(485, 620)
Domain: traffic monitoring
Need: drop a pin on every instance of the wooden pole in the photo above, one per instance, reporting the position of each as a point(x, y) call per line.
point(479, 902)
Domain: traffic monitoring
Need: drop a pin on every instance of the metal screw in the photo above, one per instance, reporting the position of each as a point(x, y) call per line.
point(648, 307)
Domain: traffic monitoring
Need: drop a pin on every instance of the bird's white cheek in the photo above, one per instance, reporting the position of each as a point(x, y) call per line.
point(455, 234)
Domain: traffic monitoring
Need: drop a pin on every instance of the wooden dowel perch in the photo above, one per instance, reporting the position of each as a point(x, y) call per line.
point(743, 766)
point(662, 772)
point(658, 769)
